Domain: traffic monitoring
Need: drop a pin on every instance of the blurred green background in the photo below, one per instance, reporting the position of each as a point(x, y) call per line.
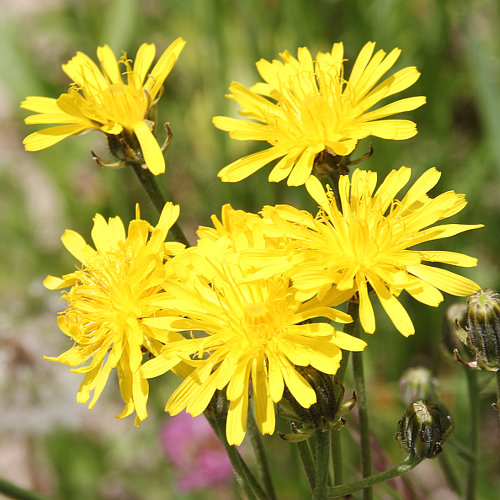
point(51, 444)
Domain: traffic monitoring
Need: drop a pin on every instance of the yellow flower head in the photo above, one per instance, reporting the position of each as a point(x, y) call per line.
point(255, 331)
point(306, 107)
point(100, 99)
point(108, 299)
point(366, 245)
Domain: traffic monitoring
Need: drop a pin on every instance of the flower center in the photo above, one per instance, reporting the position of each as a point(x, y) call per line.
point(123, 104)
point(259, 322)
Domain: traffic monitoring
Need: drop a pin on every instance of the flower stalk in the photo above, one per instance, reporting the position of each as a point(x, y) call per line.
point(337, 459)
point(261, 456)
point(10, 490)
point(307, 462)
point(148, 181)
point(247, 481)
point(322, 464)
point(497, 404)
point(398, 470)
point(473, 394)
point(364, 425)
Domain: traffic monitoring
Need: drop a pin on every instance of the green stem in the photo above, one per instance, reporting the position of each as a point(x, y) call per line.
point(322, 464)
point(307, 461)
point(461, 449)
point(364, 426)
point(449, 473)
point(497, 406)
point(473, 424)
point(407, 464)
point(12, 491)
point(337, 458)
point(152, 189)
point(260, 454)
point(247, 481)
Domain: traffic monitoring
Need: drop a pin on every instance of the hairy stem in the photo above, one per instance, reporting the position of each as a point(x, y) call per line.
point(307, 462)
point(247, 481)
point(345, 489)
point(260, 454)
point(322, 464)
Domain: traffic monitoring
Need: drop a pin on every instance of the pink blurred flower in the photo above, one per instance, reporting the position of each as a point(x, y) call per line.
point(192, 447)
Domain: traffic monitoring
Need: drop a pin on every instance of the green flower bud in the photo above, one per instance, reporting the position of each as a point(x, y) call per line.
point(417, 383)
point(423, 429)
point(324, 415)
point(483, 328)
point(454, 320)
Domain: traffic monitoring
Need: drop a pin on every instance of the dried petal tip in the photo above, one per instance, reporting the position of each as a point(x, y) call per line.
point(483, 329)
point(417, 383)
point(423, 429)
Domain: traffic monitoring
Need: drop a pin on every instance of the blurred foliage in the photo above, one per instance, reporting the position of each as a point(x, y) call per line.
point(455, 45)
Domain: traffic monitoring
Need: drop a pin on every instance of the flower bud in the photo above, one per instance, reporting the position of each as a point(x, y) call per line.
point(482, 330)
point(417, 383)
point(454, 320)
point(423, 429)
point(323, 415)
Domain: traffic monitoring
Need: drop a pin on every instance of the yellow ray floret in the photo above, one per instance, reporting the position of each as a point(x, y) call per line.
point(100, 99)
point(366, 244)
point(256, 332)
point(108, 298)
point(306, 106)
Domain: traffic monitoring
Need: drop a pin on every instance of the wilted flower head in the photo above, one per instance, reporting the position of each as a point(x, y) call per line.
point(100, 99)
point(109, 297)
point(255, 331)
point(306, 106)
point(366, 244)
point(194, 450)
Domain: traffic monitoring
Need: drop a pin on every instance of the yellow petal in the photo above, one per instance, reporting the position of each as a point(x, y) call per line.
point(109, 64)
point(263, 404)
point(303, 167)
point(50, 136)
point(151, 151)
point(75, 244)
point(37, 104)
point(445, 280)
point(392, 307)
point(163, 67)
point(243, 167)
point(237, 419)
point(143, 60)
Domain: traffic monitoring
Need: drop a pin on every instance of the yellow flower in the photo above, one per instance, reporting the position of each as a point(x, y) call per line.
point(306, 107)
point(108, 299)
point(367, 245)
point(256, 331)
point(102, 100)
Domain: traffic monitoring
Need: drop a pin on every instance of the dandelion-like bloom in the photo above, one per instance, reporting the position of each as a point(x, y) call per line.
point(108, 299)
point(306, 107)
point(100, 99)
point(367, 245)
point(256, 331)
